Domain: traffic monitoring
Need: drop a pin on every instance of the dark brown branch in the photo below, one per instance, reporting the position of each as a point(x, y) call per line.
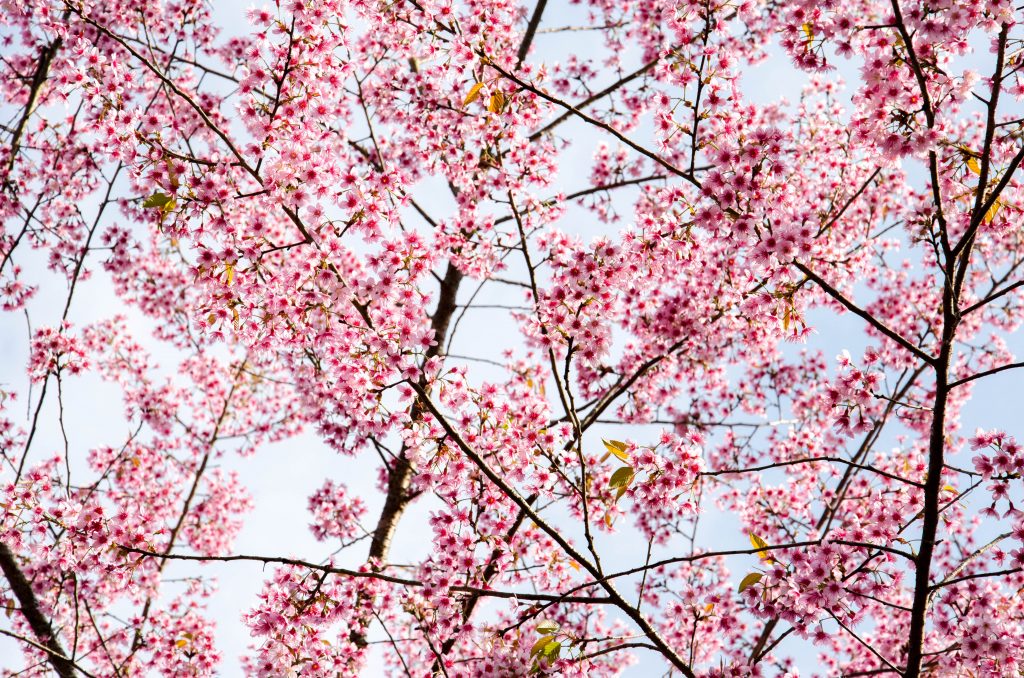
point(400, 474)
point(957, 264)
point(43, 648)
point(761, 645)
point(37, 621)
point(978, 216)
point(983, 204)
point(872, 320)
point(203, 115)
point(377, 575)
point(616, 648)
point(555, 535)
point(952, 576)
point(979, 375)
point(866, 645)
point(597, 96)
point(531, 31)
point(582, 193)
point(853, 198)
point(812, 460)
point(597, 123)
point(38, 78)
point(977, 575)
point(992, 297)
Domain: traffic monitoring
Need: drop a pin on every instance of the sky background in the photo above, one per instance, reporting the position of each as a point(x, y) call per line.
point(282, 476)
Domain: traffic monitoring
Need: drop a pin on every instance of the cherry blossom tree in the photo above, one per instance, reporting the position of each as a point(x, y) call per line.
point(314, 206)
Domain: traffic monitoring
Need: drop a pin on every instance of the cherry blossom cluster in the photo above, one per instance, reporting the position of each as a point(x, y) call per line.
point(56, 350)
point(852, 398)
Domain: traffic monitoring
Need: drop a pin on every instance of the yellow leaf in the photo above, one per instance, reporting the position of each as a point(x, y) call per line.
point(574, 565)
point(474, 94)
point(809, 32)
point(497, 103)
point(171, 173)
point(749, 581)
point(972, 165)
point(181, 643)
point(949, 488)
point(709, 607)
point(617, 448)
point(229, 269)
point(992, 211)
point(761, 545)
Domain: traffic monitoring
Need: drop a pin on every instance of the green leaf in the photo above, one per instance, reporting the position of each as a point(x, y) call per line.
point(616, 448)
point(539, 646)
point(622, 477)
point(750, 580)
point(552, 650)
point(158, 200)
point(547, 627)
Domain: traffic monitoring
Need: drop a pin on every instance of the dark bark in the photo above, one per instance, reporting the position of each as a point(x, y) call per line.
point(400, 473)
point(38, 78)
point(37, 621)
point(958, 261)
point(930, 516)
point(531, 31)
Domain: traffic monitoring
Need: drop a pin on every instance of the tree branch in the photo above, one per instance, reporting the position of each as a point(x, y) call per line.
point(979, 375)
point(531, 31)
point(555, 535)
point(872, 320)
point(37, 621)
point(597, 123)
point(374, 574)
